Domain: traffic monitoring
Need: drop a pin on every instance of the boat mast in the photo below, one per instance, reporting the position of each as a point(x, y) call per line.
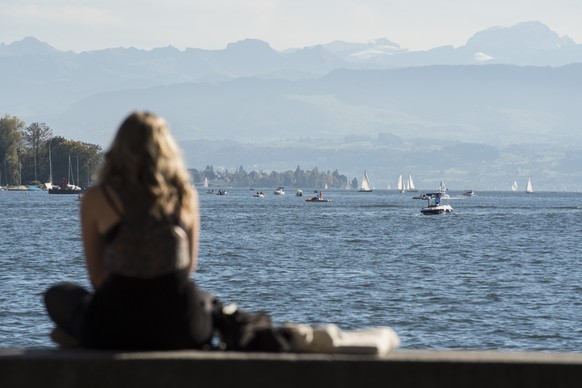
point(50, 166)
point(70, 172)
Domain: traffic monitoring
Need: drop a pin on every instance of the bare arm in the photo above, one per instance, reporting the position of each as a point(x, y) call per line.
point(92, 237)
point(194, 232)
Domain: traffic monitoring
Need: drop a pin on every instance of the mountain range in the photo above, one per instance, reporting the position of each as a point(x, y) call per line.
point(501, 107)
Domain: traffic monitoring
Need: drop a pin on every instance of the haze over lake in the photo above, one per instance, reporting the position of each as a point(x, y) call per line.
point(505, 106)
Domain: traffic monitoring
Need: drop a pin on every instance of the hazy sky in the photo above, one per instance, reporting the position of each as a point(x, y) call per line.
point(82, 25)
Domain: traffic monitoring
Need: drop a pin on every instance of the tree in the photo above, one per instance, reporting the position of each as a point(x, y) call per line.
point(36, 136)
point(11, 128)
point(74, 161)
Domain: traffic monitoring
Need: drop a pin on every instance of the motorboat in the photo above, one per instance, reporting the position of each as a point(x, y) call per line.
point(221, 192)
point(469, 193)
point(280, 190)
point(434, 205)
point(299, 193)
point(259, 194)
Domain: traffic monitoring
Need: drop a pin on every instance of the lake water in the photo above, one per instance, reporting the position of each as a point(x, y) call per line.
point(501, 272)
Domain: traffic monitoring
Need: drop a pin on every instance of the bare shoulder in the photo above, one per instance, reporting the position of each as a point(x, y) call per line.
point(190, 211)
point(92, 199)
point(94, 196)
point(97, 209)
point(93, 192)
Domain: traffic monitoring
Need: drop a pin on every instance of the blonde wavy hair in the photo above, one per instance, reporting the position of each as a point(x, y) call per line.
point(145, 162)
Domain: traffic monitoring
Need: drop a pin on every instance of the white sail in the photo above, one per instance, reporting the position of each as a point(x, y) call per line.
point(365, 183)
point(400, 184)
point(442, 186)
point(514, 186)
point(410, 186)
point(529, 187)
point(49, 184)
point(205, 182)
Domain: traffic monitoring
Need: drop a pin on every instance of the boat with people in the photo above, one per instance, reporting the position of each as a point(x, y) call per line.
point(434, 205)
point(259, 194)
point(221, 192)
point(365, 187)
point(66, 185)
point(280, 190)
point(299, 193)
point(420, 196)
point(318, 198)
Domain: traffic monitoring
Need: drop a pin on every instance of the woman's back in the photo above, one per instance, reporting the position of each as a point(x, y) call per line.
point(144, 246)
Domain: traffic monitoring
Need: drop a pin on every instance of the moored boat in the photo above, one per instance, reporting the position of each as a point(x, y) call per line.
point(64, 186)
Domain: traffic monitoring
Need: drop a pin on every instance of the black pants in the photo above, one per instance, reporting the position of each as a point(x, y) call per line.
point(168, 312)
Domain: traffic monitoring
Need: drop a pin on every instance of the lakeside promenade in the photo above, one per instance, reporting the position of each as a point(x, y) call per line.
point(86, 368)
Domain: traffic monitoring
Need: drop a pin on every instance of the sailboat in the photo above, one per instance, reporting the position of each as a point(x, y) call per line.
point(49, 185)
point(365, 187)
point(442, 187)
point(410, 186)
point(205, 185)
point(529, 187)
point(65, 187)
point(400, 184)
point(514, 186)
point(443, 190)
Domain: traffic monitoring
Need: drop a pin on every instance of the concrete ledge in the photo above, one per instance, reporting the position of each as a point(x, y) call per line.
point(84, 368)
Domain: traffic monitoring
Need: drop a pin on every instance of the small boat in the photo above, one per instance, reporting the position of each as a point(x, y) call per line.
point(435, 206)
point(205, 184)
point(529, 187)
point(221, 192)
point(299, 193)
point(469, 193)
point(420, 196)
point(365, 187)
point(514, 186)
point(280, 190)
point(259, 194)
point(318, 198)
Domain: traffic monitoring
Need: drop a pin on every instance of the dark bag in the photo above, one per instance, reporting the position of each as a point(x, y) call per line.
point(244, 331)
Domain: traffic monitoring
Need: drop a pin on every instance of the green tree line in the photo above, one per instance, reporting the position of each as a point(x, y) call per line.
point(298, 178)
point(32, 155)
